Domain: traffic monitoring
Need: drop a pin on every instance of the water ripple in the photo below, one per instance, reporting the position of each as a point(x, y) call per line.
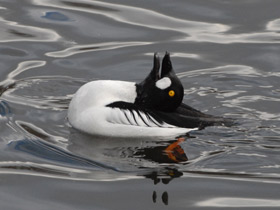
point(40, 133)
point(134, 15)
point(223, 71)
point(22, 67)
point(227, 38)
point(196, 31)
point(77, 49)
point(57, 163)
point(25, 92)
point(15, 32)
point(60, 172)
point(243, 101)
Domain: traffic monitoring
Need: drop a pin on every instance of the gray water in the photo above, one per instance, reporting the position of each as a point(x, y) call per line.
point(227, 55)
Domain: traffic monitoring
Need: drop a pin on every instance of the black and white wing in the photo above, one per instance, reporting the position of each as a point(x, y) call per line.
point(131, 114)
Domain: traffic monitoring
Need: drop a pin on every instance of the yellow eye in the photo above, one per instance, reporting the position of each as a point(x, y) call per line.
point(171, 93)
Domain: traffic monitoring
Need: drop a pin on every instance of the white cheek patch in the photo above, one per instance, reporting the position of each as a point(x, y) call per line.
point(163, 83)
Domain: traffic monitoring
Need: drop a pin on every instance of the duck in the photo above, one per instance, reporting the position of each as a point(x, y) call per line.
point(151, 108)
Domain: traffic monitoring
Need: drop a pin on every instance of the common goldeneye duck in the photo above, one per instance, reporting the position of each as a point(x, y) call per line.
point(125, 109)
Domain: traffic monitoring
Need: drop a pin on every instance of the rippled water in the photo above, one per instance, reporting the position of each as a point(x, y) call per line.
point(227, 56)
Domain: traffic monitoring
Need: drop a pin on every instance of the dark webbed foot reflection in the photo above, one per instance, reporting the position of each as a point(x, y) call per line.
point(164, 197)
point(164, 176)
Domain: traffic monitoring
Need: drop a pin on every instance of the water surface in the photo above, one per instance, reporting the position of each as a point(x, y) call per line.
point(226, 54)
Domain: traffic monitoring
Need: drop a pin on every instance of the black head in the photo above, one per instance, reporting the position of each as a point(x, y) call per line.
point(160, 90)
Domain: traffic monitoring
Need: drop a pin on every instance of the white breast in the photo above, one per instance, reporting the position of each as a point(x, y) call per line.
point(88, 112)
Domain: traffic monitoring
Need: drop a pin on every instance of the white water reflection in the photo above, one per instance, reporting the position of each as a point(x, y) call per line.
point(259, 37)
point(273, 25)
point(181, 55)
point(22, 67)
point(186, 55)
point(77, 49)
point(271, 166)
point(13, 32)
point(222, 71)
point(238, 202)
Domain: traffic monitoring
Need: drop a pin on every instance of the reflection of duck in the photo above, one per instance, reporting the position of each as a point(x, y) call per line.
point(173, 153)
point(152, 108)
point(125, 154)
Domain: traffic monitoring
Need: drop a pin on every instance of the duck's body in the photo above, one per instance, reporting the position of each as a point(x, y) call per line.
point(126, 109)
point(89, 112)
